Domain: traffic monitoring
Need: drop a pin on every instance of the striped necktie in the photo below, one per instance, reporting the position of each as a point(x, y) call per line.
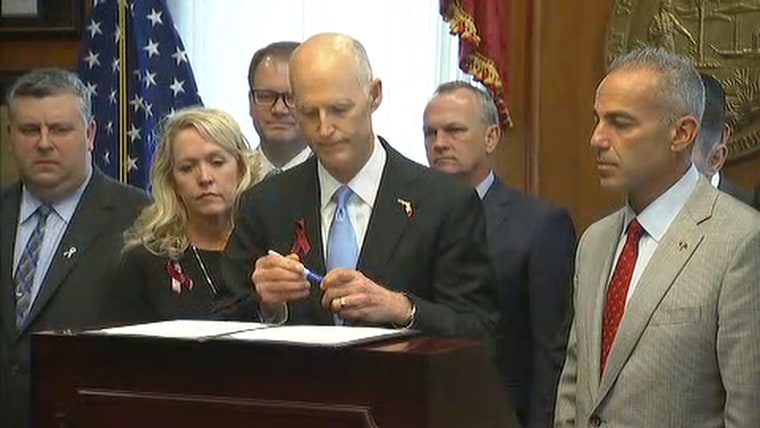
point(27, 266)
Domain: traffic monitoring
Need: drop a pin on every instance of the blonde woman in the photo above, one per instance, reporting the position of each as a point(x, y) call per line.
point(171, 261)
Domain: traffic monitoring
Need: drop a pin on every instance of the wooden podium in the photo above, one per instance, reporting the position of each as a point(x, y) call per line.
point(87, 380)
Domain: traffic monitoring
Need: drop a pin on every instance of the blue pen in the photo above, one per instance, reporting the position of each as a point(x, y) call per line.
point(311, 276)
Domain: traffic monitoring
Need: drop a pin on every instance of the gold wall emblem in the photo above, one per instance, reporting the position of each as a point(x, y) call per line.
point(722, 37)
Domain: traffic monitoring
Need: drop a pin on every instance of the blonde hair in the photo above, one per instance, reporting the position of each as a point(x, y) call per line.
point(161, 227)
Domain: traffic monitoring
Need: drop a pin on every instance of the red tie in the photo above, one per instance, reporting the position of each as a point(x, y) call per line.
point(617, 291)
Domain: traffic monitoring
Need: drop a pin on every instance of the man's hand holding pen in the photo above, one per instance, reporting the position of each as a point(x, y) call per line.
point(346, 292)
point(278, 280)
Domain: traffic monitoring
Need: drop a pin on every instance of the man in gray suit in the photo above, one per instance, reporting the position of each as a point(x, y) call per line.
point(711, 146)
point(61, 226)
point(667, 295)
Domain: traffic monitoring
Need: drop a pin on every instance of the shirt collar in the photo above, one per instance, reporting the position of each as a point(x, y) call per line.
point(64, 208)
point(364, 184)
point(483, 186)
point(657, 216)
point(267, 165)
point(715, 179)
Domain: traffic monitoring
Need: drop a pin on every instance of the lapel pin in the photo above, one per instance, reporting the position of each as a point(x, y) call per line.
point(407, 205)
point(70, 252)
point(682, 246)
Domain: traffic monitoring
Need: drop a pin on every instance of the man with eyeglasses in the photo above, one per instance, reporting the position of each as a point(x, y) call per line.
point(270, 100)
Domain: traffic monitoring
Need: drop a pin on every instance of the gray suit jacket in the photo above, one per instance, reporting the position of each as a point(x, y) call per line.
point(687, 353)
point(73, 288)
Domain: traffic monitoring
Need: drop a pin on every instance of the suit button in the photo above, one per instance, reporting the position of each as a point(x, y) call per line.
point(596, 421)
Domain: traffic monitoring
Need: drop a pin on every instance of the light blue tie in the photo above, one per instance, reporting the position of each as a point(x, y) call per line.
point(27, 266)
point(342, 249)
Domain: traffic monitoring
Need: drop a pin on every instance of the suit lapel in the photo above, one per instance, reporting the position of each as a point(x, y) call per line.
point(495, 201)
point(669, 259)
point(9, 221)
point(90, 219)
point(305, 182)
point(389, 216)
point(601, 274)
point(309, 209)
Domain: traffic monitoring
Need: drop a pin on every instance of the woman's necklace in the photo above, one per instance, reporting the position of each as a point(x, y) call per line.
point(203, 269)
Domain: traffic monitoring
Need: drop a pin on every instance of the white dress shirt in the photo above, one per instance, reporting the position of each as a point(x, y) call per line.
point(57, 222)
point(483, 186)
point(655, 219)
point(364, 185)
point(267, 165)
point(715, 179)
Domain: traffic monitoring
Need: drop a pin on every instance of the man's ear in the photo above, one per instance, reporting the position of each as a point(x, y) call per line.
point(719, 154)
point(684, 134)
point(90, 133)
point(375, 93)
point(493, 136)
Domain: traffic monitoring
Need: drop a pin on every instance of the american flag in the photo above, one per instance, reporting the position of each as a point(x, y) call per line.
point(153, 82)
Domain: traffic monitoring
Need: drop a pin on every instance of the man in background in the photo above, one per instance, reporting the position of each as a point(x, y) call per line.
point(282, 145)
point(61, 225)
point(711, 147)
point(531, 243)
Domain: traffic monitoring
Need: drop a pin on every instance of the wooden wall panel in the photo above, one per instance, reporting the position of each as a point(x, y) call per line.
point(26, 54)
point(557, 58)
point(745, 172)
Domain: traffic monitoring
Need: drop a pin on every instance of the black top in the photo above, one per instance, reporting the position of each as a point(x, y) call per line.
point(147, 287)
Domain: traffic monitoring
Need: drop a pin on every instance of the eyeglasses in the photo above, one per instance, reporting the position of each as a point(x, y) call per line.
point(266, 97)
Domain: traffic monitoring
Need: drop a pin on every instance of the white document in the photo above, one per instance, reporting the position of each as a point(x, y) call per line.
point(182, 329)
point(317, 334)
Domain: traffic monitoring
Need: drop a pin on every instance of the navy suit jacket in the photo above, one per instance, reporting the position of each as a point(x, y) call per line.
point(436, 252)
point(737, 192)
point(532, 245)
point(73, 288)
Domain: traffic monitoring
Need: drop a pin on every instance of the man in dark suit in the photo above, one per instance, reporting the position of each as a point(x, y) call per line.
point(401, 245)
point(531, 243)
point(61, 226)
point(710, 150)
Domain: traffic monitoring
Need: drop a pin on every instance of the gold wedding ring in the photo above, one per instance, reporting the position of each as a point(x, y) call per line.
point(342, 302)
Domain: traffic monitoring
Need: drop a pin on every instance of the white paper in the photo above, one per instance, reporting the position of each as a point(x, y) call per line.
point(315, 334)
point(182, 329)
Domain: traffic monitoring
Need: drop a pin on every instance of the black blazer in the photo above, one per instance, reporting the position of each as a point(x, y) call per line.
point(436, 252)
point(72, 290)
point(532, 245)
point(737, 192)
point(141, 289)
